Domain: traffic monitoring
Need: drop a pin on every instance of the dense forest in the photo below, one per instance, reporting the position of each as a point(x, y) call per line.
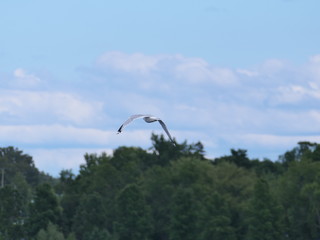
point(166, 192)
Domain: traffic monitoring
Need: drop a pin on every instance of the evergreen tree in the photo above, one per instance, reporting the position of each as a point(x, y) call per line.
point(50, 233)
point(235, 185)
point(90, 215)
point(158, 187)
point(265, 215)
point(98, 234)
point(216, 219)
point(71, 236)
point(298, 192)
point(133, 219)
point(44, 209)
point(311, 193)
point(184, 215)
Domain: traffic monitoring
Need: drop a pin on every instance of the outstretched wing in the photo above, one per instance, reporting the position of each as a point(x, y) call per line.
point(133, 117)
point(166, 130)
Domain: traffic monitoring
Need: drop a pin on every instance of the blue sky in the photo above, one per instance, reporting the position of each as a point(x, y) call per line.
point(231, 74)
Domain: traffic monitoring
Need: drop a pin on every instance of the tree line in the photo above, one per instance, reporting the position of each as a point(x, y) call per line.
point(164, 193)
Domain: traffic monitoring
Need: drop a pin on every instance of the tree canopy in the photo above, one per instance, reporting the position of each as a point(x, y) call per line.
point(164, 193)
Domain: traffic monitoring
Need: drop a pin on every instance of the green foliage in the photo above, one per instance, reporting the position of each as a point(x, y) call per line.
point(71, 236)
point(158, 188)
point(237, 157)
point(264, 214)
point(15, 161)
point(98, 234)
point(132, 158)
point(183, 215)
point(216, 218)
point(43, 209)
point(50, 233)
point(165, 151)
point(133, 218)
point(298, 192)
point(267, 167)
point(90, 216)
point(12, 210)
point(304, 150)
point(168, 192)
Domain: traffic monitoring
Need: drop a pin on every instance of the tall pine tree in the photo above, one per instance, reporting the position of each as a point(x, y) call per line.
point(264, 214)
point(183, 215)
point(216, 219)
point(90, 215)
point(133, 215)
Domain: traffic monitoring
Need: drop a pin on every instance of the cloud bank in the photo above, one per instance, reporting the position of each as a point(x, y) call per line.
point(265, 108)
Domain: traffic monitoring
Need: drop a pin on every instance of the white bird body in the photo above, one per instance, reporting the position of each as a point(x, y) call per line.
point(149, 119)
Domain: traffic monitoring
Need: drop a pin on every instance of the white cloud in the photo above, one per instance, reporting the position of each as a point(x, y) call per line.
point(290, 94)
point(47, 106)
point(191, 70)
point(248, 73)
point(53, 135)
point(131, 63)
point(315, 59)
point(313, 67)
point(296, 93)
point(198, 71)
point(24, 79)
point(272, 66)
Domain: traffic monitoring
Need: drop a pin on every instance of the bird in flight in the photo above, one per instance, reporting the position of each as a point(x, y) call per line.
point(149, 119)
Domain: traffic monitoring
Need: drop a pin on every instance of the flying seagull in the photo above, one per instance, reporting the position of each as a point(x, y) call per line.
point(149, 119)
